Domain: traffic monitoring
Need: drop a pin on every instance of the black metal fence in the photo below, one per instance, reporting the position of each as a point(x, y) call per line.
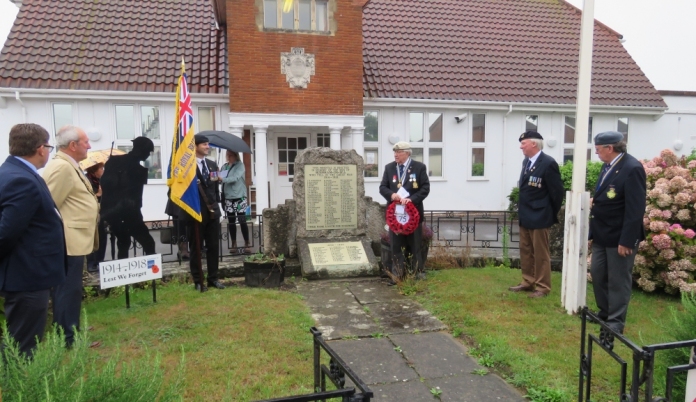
point(642, 365)
point(336, 373)
point(168, 234)
point(478, 229)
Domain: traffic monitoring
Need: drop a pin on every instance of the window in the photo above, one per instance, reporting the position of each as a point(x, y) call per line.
point(62, 115)
point(149, 125)
point(371, 143)
point(531, 122)
point(206, 121)
point(288, 148)
point(569, 139)
point(425, 135)
point(622, 127)
point(304, 15)
point(324, 140)
point(478, 145)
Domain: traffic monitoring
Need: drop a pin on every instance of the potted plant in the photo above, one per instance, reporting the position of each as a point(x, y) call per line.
point(261, 270)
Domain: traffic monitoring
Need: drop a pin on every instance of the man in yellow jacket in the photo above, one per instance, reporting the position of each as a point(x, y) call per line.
point(79, 208)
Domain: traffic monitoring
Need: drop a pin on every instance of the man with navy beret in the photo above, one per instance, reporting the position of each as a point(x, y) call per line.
point(541, 196)
point(616, 228)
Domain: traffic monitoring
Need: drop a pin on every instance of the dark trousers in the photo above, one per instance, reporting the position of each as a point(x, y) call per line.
point(26, 317)
point(612, 281)
point(130, 224)
point(406, 252)
point(241, 218)
point(67, 299)
point(209, 231)
point(535, 258)
point(96, 257)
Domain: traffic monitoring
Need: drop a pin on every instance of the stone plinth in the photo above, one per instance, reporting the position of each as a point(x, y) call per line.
point(336, 257)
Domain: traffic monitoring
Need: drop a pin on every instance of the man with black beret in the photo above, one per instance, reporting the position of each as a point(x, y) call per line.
point(540, 197)
point(209, 227)
point(616, 228)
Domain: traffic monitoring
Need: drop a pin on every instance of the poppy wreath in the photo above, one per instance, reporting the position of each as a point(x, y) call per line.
point(396, 226)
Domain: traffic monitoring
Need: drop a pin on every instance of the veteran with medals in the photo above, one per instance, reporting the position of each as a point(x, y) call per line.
point(541, 196)
point(616, 228)
point(405, 185)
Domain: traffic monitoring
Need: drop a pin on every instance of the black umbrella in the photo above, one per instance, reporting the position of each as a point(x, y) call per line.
point(225, 140)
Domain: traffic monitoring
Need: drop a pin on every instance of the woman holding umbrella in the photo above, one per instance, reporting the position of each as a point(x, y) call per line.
point(234, 195)
point(94, 174)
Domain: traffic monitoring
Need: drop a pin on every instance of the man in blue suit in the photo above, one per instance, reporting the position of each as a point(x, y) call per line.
point(541, 195)
point(32, 242)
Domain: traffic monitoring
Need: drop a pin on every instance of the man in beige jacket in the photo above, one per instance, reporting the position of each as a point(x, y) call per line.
point(78, 206)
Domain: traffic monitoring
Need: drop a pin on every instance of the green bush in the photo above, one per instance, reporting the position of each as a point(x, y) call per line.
point(80, 374)
point(683, 328)
point(591, 175)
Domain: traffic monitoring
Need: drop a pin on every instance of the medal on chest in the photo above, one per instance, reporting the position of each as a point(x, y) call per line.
point(611, 193)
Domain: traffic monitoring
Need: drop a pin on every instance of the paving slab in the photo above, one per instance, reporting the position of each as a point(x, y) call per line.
point(338, 322)
point(326, 294)
point(475, 388)
point(374, 291)
point(374, 360)
point(404, 316)
point(409, 391)
point(435, 355)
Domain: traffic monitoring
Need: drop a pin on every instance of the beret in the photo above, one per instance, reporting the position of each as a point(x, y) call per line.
point(401, 145)
point(530, 134)
point(143, 143)
point(608, 137)
point(201, 139)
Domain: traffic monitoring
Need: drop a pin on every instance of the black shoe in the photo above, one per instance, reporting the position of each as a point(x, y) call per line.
point(201, 288)
point(93, 269)
point(216, 284)
point(390, 282)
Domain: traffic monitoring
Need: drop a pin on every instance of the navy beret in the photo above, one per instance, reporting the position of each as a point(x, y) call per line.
point(143, 143)
point(530, 134)
point(201, 139)
point(608, 137)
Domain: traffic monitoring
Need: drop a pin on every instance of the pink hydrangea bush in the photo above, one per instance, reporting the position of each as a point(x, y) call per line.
point(667, 258)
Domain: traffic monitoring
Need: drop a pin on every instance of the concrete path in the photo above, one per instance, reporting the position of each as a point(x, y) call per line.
point(395, 346)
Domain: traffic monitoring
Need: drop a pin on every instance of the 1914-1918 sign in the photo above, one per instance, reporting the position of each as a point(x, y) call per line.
point(130, 270)
point(331, 197)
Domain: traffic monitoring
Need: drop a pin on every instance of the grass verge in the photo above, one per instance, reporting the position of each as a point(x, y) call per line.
point(533, 343)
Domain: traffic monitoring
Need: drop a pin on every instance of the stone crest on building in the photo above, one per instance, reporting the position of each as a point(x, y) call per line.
point(297, 66)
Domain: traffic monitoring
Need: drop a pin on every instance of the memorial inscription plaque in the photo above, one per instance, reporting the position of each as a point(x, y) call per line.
point(331, 197)
point(337, 253)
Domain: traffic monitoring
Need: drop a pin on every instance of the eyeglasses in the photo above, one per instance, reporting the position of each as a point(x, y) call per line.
point(49, 147)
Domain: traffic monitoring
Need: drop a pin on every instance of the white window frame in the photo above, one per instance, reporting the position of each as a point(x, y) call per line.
point(571, 146)
point(477, 145)
point(137, 121)
point(374, 145)
point(628, 124)
point(426, 145)
point(296, 17)
point(53, 114)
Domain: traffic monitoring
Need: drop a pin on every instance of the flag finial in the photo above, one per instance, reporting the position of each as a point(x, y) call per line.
point(183, 66)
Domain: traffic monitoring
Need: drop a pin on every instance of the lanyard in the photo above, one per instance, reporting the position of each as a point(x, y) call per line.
point(609, 169)
point(402, 178)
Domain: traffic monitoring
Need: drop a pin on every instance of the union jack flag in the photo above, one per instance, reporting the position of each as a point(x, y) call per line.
point(181, 177)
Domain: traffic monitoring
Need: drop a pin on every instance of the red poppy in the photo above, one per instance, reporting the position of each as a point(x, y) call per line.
point(396, 226)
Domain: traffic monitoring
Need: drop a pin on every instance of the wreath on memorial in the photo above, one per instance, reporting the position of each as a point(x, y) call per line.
point(403, 228)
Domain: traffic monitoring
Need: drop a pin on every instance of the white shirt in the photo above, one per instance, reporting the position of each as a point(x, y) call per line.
point(534, 158)
point(200, 162)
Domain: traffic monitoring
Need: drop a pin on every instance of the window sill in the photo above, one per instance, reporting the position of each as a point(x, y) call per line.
point(477, 179)
point(296, 31)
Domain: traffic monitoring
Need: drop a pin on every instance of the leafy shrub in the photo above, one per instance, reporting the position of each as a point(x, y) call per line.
point(683, 328)
point(79, 374)
point(666, 258)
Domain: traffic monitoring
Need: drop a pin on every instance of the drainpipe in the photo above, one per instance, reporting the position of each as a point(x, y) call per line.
point(502, 165)
point(24, 109)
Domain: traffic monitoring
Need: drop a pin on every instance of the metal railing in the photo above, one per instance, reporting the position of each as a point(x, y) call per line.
point(643, 364)
point(336, 373)
point(478, 229)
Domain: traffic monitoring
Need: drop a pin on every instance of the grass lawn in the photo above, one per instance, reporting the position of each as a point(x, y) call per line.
point(240, 344)
point(533, 343)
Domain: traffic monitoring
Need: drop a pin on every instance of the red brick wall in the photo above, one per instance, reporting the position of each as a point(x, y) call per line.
point(256, 84)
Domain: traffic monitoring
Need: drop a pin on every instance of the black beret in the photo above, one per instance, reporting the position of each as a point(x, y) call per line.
point(143, 143)
point(201, 139)
point(608, 137)
point(530, 134)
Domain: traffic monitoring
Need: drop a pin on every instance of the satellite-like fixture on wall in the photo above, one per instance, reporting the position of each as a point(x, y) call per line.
point(93, 134)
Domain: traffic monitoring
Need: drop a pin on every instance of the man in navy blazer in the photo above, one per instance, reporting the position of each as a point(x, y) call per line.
point(616, 228)
point(541, 196)
point(413, 177)
point(32, 242)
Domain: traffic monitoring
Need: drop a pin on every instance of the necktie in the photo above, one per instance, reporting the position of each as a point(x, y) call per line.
point(600, 180)
point(205, 171)
point(401, 171)
point(529, 166)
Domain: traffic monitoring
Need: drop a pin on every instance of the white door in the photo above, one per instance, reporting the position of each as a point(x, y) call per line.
point(285, 149)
